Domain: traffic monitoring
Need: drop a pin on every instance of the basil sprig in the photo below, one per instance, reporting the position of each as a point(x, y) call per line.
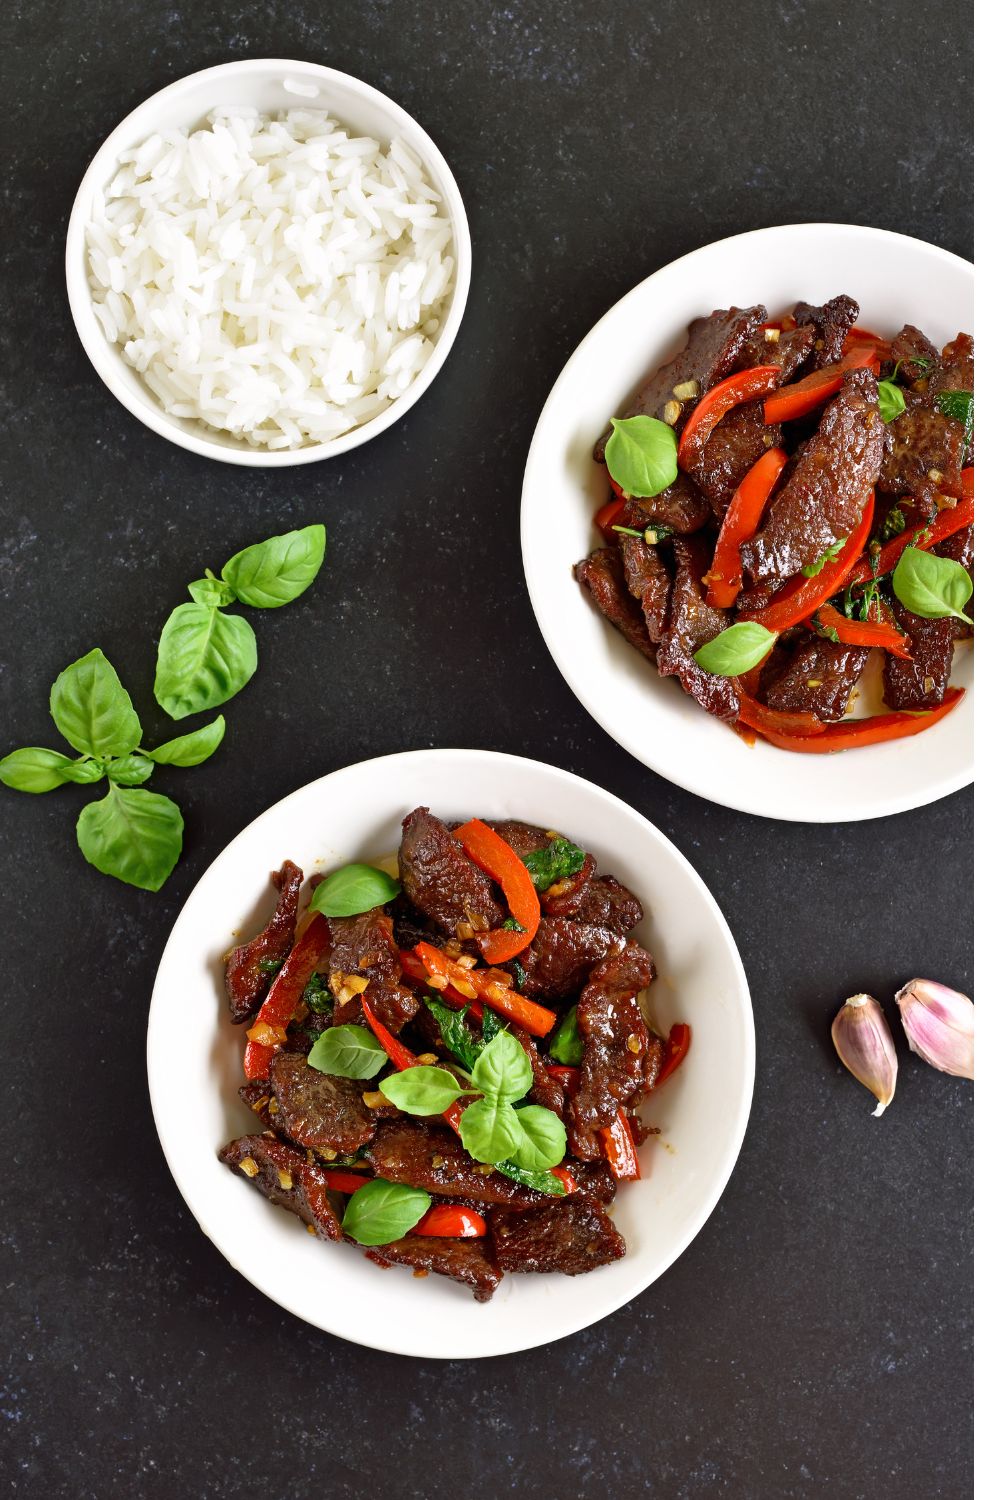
point(960, 405)
point(132, 834)
point(566, 1045)
point(557, 860)
point(347, 1052)
point(735, 650)
point(932, 587)
point(891, 402)
point(422, 1090)
point(811, 569)
point(204, 656)
point(381, 1212)
point(456, 1034)
point(353, 889)
point(641, 455)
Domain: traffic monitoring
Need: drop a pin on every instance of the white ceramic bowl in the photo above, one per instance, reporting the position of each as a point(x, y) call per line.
point(194, 1056)
point(896, 280)
point(269, 85)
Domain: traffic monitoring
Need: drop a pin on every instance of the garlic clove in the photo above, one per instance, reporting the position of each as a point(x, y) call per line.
point(940, 1026)
point(864, 1045)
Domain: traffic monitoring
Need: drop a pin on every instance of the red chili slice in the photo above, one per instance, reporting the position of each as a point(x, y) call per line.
point(804, 396)
point(745, 385)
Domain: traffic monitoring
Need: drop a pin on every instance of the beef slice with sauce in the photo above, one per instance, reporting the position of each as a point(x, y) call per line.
point(615, 1042)
point(824, 497)
point(317, 1111)
point(960, 548)
point(598, 900)
point(251, 967)
point(693, 622)
point(713, 346)
point(733, 447)
point(832, 323)
point(924, 451)
point(912, 356)
point(573, 1235)
point(286, 1178)
point(602, 576)
point(819, 678)
point(365, 946)
point(921, 681)
point(440, 879)
point(648, 582)
point(432, 1157)
point(464, 1261)
point(558, 960)
point(682, 508)
point(789, 350)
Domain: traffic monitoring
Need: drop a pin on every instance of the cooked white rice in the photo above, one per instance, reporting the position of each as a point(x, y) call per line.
point(275, 278)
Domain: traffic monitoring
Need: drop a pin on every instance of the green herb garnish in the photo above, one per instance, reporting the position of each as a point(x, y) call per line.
point(456, 1034)
point(349, 1052)
point(542, 1182)
point(735, 650)
point(891, 402)
point(935, 588)
point(641, 455)
point(566, 1045)
point(811, 569)
point(557, 860)
point(893, 524)
point(422, 1090)
point(317, 994)
point(354, 889)
point(513, 925)
point(652, 535)
point(381, 1212)
point(519, 974)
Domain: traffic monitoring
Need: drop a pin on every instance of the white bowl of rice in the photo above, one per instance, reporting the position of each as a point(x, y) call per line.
point(267, 262)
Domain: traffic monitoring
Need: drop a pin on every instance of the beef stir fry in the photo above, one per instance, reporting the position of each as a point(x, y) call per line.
point(448, 1067)
point(788, 496)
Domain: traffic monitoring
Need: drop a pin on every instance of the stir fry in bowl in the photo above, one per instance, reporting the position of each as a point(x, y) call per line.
point(788, 497)
point(448, 1066)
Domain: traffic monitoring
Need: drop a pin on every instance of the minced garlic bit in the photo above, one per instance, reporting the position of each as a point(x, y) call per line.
point(772, 335)
point(249, 1166)
point(374, 1099)
point(671, 412)
point(929, 684)
point(437, 1161)
point(935, 476)
point(428, 1059)
point(284, 1179)
point(686, 390)
point(463, 930)
point(310, 1229)
point(437, 981)
point(634, 1042)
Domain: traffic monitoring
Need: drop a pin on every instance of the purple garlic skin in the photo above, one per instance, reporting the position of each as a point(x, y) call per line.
point(864, 1045)
point(940, 1026)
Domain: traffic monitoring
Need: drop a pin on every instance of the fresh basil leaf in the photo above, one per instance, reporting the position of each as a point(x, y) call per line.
point(544, 1143)
point(353, 889)
point(84, 771)
point(557, 860)
point(203, 659)
point(277, 571)
point(34, 769)
point(735, 650)
point(191, 749)
point(347, 1052)
point(503, 1069)
point(381, 1212)
point(960, 405)
point(212, 591)
point(130, 770)
point(491, 1022)
point(455, 1033)
point(519, 974)
point(811, 569)
point(542, 1182)
point(641, 455)
point(317, 995)
point(133, 835)
point(490, 1129)
point(92, 710)
point(890, 400)
point(422, 1090)
point(932, 587)
point(566, 1045)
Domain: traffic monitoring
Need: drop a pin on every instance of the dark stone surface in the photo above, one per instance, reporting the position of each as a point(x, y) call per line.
point(815, 1338)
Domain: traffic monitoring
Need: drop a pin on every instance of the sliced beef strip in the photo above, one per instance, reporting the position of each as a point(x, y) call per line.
point(432, 1157)
point(440, 879)
point(832, 322)
point(912, 356)
point(603, 577)
point(920, 682)
point(818, 679)
point(648, 581)
point(285, 1177)
point(956, 369)
point(256, 1095)
point(608, 903)
point(594, 1179)
point(739, 440)
point(316, 1111)
point(410, 926)
point(961, 549)
point(464, 1261)
point(364, 945)
point(615, 1042)
point(392, 1004)
point(924, 452)
point(788, 351)
point(598, 900)
point(523, 838)
point(546, 1089)
point(562, 953)
point(713, 346)
point(692, 623)
point(824, 497)
point(682, 508)
point(572, 1236)
point(247, 983)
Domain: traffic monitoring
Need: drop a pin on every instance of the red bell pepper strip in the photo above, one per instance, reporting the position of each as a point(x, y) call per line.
point(801, 596)
point(778, 721)
point(804, 396)
point(746, 507)
point(608, 516)
point(415, 972)
point(339, 1181)
point(944, 524)
point(745, 385)
point(852, 734)
point(619, 1148)
point(857, 336)
point(401, 1057)
point(497, 859)
point(566, 1075)
point(675, 1051)
point(568, 1181)
point(868, 632)
point(268, 1032)
point(445, 1221)
point(488, 987)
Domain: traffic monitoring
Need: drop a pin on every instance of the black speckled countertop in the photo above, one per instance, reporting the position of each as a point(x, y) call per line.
point(815, 1339)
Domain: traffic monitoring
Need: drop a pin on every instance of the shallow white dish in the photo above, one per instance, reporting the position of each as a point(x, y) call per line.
point(194, 1056)
point(269, 85)
point(896, 280)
